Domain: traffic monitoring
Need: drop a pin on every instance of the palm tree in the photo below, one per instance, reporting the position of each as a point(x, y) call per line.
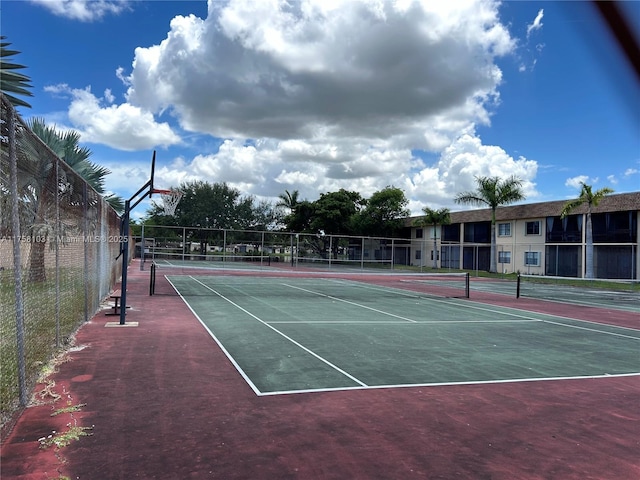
point(12, 81)
point(288, 200)
point(44, 183)
point(592, 200)
point(66, 146)
point(434, 217)
point(493, 192)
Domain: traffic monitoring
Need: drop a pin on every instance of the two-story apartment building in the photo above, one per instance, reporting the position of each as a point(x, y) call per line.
point(533, 239)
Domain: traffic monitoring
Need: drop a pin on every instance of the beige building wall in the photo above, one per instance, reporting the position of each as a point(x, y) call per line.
point(521, 246)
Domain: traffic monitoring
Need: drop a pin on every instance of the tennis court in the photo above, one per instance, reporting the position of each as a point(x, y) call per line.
point(498, 392)
point(293, 333)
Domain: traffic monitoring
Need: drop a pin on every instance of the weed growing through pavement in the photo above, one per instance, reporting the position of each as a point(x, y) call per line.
point(63, 439)
point(69, 408)
point(49, 394)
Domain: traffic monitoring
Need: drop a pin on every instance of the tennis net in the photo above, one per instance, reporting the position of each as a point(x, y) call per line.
point(207, 278)
point(598, 292)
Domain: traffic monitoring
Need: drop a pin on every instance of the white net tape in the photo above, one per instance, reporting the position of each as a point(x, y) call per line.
point(170, 201)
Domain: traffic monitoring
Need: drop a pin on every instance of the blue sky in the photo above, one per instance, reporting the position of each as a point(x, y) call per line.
point(315, 96)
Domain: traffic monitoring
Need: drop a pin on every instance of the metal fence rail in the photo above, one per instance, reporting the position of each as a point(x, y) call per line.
point(59, 241)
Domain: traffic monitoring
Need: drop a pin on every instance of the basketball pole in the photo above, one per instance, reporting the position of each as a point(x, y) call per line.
point(146, 191)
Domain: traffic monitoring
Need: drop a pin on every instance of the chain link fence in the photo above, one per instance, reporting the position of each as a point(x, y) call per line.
point(172, 244)
point(59, 241)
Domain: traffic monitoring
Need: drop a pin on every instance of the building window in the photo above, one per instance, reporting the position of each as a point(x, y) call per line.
point(504, 229)
point(418, 254)
point(532, 259)
point(533, 228)
point(477, 232)
point(418, 233)
point(504, 257)
point(450, 233)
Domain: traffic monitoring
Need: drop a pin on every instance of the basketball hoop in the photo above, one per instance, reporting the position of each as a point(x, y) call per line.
point(170, 200)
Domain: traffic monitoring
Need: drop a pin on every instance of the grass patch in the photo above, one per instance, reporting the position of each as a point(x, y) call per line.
point(40, 329)
point(64, 439)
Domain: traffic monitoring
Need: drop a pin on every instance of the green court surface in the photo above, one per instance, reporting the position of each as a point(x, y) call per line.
point(287, 335)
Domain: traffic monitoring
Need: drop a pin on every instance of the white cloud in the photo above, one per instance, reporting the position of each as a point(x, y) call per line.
point(108, 96)
point(537, 23)
point(459, 165)
point(631, 171)
point(575, 182)
point(121, 76)
point(411, 74)
point(83, 10)
point(612, 179)
point(124, 126)
point(125, 177)
point(316, 96)
point(268, 168)
point(529, 54)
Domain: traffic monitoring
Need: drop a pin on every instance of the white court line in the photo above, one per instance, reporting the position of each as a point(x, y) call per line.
point(584, 303)
point(448, 384)
point(542, 316)
point(351, 303)
point(449, 301)
point(231, 359)
point(592, 330)
point(486, 287)
point(370, 322)
point(327, 362)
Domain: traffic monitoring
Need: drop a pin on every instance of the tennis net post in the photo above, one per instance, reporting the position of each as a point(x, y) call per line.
point(152, 279)
point(467, 288)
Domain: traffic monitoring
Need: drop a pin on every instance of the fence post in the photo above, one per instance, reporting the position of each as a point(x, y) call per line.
point(86, 246)
point(142, 245)
point(17, 265)
point(56, 233)
point(125, 261)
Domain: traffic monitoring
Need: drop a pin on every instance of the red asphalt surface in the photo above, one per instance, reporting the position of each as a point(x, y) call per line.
point(164, 402)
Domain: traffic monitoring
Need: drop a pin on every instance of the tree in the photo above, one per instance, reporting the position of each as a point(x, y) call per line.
point(43, 186)
point(441, 216)
point(66, 145)
point(216, 206)
point(383, 213)
point(592, 200)
point(11, 81)
point(333, 215)
point(299, 220)
point(493, 192)
point(334, 211)
point(266, 217)
point(213, 206)
point(288, 200)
